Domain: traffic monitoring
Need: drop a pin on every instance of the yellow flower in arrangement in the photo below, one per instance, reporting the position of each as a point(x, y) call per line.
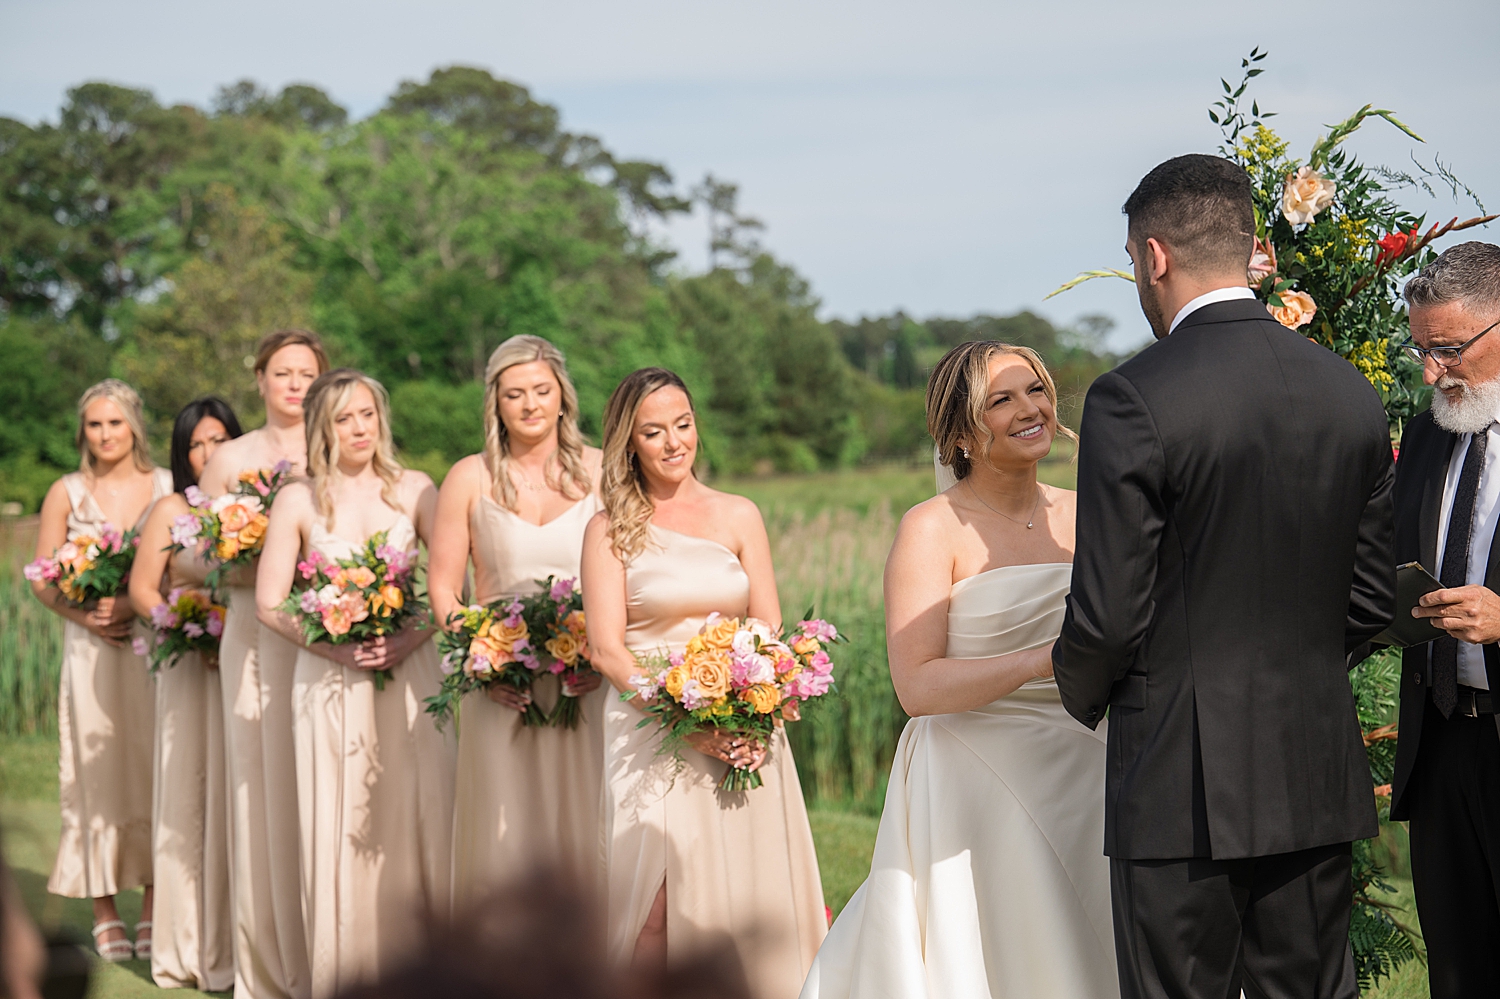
point(722, 708)
point(710, 670)
point(720, 633)
point(249, 476)
point(806, 645)
point(565, 648)
point(227, 549)
point(1369, 358)
point(674, 680)
point(762, 697)
point(574, 622)
point(251, 533)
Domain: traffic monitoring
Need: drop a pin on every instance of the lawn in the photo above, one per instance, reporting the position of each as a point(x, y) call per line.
point(829, 534)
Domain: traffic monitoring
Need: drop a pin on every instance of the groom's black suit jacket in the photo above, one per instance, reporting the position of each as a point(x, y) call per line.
point(1234, 544)
point(1426, 449)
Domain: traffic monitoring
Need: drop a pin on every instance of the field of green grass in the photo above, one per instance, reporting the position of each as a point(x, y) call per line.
point(829, 534)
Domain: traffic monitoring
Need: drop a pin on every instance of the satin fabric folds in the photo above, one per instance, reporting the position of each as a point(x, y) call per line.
point(988, 879)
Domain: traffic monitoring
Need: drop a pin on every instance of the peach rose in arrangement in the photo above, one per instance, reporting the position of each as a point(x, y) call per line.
point(711, 672)
point(719, 634)
point(1306, 193)
point(1262, 263)
point(673, 682)
point(251, 533)
point(1297, 309)
point(336, 619)
point(361, 576)
point(806, 645)
point(574, 623)
point(762, 697)
point(490, 649)
point(353, 604)
point(565, 648)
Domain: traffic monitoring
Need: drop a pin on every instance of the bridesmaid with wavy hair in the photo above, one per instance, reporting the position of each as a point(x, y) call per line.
point(255, 672)
point(689, 867)
point(525, 795)
point(374, 775)
point(106, 703)
point(193, 939)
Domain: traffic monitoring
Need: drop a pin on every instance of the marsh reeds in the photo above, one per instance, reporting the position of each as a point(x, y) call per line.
point(30, 641)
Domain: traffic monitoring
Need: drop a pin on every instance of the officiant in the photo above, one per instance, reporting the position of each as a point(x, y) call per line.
point(1447, 781)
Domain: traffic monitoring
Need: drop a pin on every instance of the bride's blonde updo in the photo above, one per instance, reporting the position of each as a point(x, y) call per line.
point(955, 401)
point(320, 408)
point(570, 475)
point(622, 486)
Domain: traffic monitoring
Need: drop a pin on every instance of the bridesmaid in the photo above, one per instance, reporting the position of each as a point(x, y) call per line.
point(193, 944)
point(524, 795)
point(688, 867)
point(255, 674)
point(106, 706)
point(374, 775)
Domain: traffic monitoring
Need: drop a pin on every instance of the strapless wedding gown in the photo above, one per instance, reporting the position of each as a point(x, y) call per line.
point(375, 803)
point(988, 880)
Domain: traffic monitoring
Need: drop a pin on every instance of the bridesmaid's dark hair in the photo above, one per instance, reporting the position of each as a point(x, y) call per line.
point(187, 421)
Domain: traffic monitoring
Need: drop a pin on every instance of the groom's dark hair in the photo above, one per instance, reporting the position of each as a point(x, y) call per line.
point(1200, 207)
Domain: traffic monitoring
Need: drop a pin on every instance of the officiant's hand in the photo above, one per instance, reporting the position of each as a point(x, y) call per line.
point(1468, 613)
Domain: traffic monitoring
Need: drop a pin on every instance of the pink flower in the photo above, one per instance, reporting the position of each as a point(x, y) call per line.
point(195, 496)
point(819, 629)
point(282, 467)
point(307, 569)
point(562, 590)
point(693, 697)
point(161, 615)
point(138, 646)
point(821, 664)
point(193, 630)
point(261, 487)
point(40, 570)
point(215, 623)
point(185, 530)
point(309, 602)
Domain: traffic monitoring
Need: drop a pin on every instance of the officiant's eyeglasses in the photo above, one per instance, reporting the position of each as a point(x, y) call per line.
point(1448, 357)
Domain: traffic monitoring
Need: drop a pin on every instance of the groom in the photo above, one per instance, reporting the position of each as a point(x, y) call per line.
point(1234, 543)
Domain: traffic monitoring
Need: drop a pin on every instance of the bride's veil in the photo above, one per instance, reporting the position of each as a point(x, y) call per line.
point(942, 473)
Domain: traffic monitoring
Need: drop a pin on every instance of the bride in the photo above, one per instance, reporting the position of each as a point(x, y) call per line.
point(988, 878)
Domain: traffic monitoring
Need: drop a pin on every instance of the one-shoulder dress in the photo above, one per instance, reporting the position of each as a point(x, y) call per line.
point(106, 727)
point(989, 879)
point(375, 798)
point(525, 796)
point(192, 940)
point(740, 869)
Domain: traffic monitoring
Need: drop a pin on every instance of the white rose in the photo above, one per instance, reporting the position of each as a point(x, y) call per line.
point(1306, 193)
point(251, 503)
point(329, 594)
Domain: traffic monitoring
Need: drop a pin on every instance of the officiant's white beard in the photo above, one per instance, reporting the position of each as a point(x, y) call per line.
point(1475, 408)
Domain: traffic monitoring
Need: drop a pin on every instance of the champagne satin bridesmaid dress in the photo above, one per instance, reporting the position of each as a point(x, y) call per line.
point(525, 796)
point(740, 869)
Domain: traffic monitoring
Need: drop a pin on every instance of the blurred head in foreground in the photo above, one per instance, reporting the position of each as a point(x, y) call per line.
point(541, 939)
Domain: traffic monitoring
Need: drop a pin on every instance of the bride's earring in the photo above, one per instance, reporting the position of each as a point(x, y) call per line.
point(965, 451)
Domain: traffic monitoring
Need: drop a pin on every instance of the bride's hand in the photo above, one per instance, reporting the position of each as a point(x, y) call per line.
point(737, 751)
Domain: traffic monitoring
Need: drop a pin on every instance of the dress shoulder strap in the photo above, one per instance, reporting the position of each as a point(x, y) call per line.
point(161, 482)
point(76, 488)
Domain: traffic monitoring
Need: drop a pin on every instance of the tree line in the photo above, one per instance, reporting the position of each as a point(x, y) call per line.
point(158, 243)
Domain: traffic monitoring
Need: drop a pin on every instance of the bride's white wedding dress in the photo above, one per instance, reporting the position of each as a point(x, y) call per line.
point(988, 878)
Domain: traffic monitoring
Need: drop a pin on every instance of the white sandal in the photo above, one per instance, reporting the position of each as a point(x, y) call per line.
point(113, 951)
point(142, 947)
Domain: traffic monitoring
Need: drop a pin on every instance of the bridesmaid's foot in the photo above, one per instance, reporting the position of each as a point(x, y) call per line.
point(143, 940)
point(111, 943)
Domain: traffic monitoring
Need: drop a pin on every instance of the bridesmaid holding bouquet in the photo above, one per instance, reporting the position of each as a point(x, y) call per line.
point(689, 867)
point(106, 705)
point(255, 672)
point(526, 795)
point(374, 776)
point(193, 942)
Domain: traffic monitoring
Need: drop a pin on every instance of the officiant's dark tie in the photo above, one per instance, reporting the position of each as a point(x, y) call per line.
point(1456, 569)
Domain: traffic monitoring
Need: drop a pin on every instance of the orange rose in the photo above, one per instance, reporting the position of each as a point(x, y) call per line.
point(361, 576)
point(387, 600)
point(251, 534)
point(564, 648)
point(762, 697)
point(711, 671)
point(720, 634)
point(490, 649)
point(336, 619)
point(227, 549)
point(1297, 309)
point(574, 623)
point(806, 645)
point(234, 517)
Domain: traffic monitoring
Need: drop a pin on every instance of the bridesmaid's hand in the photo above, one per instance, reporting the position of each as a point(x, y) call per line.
point(735, 750)
point(586, 683)
point(507, 696)
point(110, 619)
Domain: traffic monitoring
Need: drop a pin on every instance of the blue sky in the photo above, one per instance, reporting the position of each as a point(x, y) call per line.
point(946, 157)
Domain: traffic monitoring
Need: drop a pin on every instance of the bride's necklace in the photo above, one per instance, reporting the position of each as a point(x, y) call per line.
point(1030, 518)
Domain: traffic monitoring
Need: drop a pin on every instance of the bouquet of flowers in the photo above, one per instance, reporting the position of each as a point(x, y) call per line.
point(187, 621)
point(230, 529)
point(356, 599)
point(739, 676)
point(510, 642)
point(87, 568)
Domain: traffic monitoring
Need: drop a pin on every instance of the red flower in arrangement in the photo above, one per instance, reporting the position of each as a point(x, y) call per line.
point(1395, 452)
point(1393, 245)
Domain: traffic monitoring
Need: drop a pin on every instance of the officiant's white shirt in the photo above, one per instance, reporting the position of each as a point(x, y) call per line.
point(1209, 298)
point(1486, 515)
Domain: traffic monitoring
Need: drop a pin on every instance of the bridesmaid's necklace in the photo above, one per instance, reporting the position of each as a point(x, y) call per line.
point(1031, 517)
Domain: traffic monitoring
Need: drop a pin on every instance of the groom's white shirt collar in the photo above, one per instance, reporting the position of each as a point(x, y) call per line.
point(1209, 298)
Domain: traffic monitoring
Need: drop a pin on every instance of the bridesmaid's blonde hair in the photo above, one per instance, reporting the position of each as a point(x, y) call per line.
point(129, 403)
point(320, 407)
point(622, 486)
point(570, 476)
point(955, 400)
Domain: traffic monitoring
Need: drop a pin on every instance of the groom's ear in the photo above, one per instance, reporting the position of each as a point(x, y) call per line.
point(1158, 260)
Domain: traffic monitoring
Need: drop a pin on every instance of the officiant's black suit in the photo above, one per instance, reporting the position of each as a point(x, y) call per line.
point(1234, 544)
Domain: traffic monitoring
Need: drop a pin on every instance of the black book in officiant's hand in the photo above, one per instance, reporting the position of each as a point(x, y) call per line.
point(1412, 583)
